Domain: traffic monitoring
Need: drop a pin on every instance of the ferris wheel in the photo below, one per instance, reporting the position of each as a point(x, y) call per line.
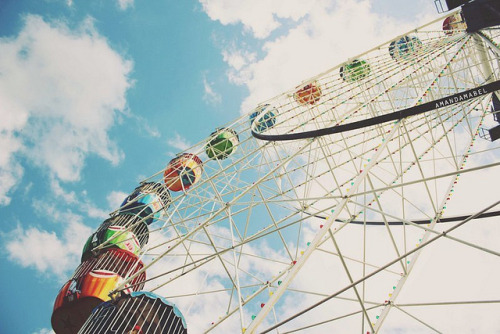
point(364, 197)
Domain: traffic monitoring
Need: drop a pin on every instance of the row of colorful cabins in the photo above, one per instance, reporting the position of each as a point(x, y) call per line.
point(111, 254)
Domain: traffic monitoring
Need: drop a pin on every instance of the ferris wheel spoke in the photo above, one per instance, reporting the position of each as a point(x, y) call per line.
point(363, 262)
point(393, 241)
point(463, 302)
point(316, 324)
point(361, 301)
point(419, 166)
point(273, 220)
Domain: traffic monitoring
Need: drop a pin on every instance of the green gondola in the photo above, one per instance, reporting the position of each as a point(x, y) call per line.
point(355, 71)
point(223, 143)
point(122, 231)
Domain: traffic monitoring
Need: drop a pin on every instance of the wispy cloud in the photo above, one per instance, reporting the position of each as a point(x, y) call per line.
point(144, 126)
point(179, 142)
point(210, 96)
point(79, 202)
point(59, 192)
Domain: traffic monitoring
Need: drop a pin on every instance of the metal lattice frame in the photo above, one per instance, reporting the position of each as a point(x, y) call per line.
point(247, 234)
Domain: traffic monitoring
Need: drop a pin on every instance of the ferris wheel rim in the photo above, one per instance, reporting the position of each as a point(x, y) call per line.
point(473, 93)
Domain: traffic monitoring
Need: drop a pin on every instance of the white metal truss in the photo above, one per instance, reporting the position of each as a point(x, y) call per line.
point(280, 236)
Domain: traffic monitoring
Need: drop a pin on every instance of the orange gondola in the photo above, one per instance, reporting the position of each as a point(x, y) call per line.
point(182, 172)
point(308, 94)
point(91, 284)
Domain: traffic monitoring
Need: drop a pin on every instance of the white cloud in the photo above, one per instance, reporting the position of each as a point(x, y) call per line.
point(179, 142)
point(60, 92)
point(144, 127)
point(68, 197)
point(237, 58)
point(260, 17)
point(41, 249)
point(210, 96)
point(124, 4)
point(93, 211)
point(80, 202)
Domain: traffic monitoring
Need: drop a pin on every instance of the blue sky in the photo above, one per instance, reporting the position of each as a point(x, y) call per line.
point(96, 95)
